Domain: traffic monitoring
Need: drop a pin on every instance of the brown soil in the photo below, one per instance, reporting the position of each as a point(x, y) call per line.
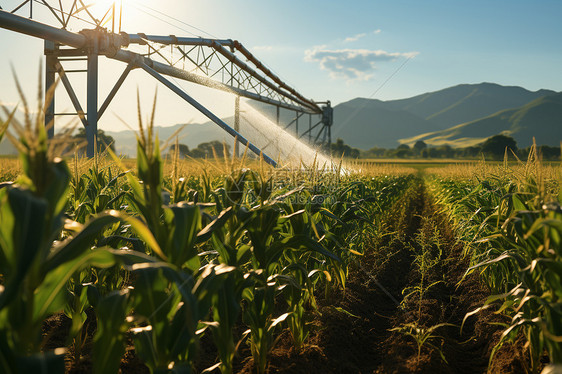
point(352, 328)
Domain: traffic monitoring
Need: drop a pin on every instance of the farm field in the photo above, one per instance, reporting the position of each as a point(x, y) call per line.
point(399, 214)
point(154, 265)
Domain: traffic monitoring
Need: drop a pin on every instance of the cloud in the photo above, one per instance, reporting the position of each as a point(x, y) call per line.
point(356, 64)
point(377, 31)
point(262, 48)
point(354, 38)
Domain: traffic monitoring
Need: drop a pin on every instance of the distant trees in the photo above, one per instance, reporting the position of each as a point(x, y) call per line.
point(103, 141)
point(419, 146)
point(496, 146)
point(374, 152)
point(403, 151)
point(203, 150)
point(493, 148)
point(183, 149)
point(339, 148)
point(546, 153)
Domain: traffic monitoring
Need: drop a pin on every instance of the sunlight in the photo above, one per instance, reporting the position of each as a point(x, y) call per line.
point(102, 11)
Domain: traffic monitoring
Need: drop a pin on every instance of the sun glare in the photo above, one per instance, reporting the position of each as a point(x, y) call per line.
point(105, 11)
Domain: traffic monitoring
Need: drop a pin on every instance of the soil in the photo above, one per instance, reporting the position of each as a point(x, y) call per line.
point(352, 331)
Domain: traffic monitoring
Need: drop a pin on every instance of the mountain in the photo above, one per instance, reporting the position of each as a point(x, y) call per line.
point(126, 144)
point(192, 135)
point(466, 102)
point(366, 123)
point(541, 119)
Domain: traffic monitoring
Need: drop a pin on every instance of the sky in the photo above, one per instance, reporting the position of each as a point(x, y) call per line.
point(327, 50)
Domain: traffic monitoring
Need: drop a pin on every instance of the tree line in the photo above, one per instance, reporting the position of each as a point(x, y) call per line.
point(493, 148)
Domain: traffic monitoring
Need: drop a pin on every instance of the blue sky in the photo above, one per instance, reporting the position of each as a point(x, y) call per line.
point(335, 50)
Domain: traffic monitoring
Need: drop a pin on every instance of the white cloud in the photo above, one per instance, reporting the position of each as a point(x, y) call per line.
point(377, 31)
point(351, 63)
point(354, 38)
point(262, 48)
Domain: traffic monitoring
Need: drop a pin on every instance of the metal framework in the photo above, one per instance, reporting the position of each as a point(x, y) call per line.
point(221, 64)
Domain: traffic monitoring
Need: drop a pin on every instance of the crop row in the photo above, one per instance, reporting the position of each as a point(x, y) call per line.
point(512, 226)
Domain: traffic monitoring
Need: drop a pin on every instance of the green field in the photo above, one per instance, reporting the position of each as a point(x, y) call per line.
point(153, 265)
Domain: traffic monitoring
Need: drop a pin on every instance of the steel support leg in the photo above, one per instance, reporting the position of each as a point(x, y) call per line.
point(236, 123)
point(50, 79)
point(92, 108)
point(310, 128)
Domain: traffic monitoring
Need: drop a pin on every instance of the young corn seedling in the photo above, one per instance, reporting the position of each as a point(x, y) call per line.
point(424, 337)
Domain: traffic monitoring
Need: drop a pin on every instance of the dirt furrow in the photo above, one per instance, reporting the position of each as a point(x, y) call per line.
point(410, 278)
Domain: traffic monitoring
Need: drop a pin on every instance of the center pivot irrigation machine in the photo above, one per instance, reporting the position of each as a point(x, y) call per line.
point(222, 64)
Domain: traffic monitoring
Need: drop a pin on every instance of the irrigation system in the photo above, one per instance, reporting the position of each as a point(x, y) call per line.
point(222, 64)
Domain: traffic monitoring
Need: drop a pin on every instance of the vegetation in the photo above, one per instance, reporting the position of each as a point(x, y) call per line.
point(340, 149)
point(512, 222)
point(209, 150)
point(170, 259)
point(104, 141)
point(168, 267)
point(493, 148)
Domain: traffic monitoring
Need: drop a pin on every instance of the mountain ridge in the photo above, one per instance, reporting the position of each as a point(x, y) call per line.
point(435, 111)
point(540, 119)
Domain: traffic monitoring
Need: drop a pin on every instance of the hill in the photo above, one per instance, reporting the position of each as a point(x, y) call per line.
point(466, 102)
point(541, 119)
point(365, 123)
point(192, 135)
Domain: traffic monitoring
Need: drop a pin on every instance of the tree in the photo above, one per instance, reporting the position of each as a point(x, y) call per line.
point(340, 148)
point(419, 146)
point(403, 150)
point(373, 152)
point(182, 148)
point(496, 145)
point(104, 141)
point(443, 151)
point(206, 150)
point(471, 151)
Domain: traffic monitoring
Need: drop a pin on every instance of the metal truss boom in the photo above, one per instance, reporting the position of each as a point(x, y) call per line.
point(221, 64)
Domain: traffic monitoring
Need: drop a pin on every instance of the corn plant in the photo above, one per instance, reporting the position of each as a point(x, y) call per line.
point(423, 337)
point(426, 258)
point(95, 191)
point(516, 249)
point(231, 249)
point(36, 258)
